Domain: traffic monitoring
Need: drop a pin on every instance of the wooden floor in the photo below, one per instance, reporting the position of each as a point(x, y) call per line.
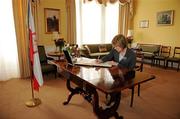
point(160, 99)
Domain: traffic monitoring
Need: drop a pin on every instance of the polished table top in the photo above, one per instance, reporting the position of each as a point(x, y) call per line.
point(105, 79)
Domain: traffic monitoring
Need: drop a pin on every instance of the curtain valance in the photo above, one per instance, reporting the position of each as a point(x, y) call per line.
point(122, 2)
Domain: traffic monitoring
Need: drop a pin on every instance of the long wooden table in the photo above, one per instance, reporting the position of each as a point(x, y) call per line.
point(107, 80)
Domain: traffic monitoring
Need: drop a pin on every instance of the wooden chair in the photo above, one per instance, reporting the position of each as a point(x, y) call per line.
point(45, 67)
point(164, 54)
point(139, 61)
point(175, 58)
point(139, 67)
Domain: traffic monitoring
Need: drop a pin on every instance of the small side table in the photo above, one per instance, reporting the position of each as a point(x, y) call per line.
point(60, 55)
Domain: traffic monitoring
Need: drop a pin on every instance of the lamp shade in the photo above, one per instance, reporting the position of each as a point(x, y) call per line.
point(55, 35)
point(130, 33)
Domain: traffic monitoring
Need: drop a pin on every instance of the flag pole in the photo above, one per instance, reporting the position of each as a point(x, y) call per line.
point(34, 101)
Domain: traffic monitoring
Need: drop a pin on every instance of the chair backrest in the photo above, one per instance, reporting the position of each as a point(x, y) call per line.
point(165, 51)
point(42, 54)
point(139, 61)
point(176, 52)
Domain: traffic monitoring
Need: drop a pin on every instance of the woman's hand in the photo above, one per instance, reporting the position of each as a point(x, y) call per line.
point(99, 61)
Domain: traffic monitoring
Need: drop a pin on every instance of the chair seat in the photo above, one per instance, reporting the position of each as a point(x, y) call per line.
point(137, 67)
point(48, 68)
point(148, 55)
point(173, 59)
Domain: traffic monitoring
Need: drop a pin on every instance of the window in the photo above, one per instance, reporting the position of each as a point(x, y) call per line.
point(96, 23)
point(8, 47)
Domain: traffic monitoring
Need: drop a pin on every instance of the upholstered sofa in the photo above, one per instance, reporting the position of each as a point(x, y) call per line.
point(95, 50)
point(149, 50)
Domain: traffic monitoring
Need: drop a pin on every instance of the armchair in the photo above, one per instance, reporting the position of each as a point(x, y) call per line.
point(164, 54)
point(45, 67)
point(175, 58)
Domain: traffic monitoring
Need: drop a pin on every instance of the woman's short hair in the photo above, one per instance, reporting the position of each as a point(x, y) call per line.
point(119, 40)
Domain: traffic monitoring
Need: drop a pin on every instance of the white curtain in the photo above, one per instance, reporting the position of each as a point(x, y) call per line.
point(9, 65)
point(96, 23)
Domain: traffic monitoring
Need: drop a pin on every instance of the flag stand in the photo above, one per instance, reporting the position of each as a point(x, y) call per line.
point(34, 101)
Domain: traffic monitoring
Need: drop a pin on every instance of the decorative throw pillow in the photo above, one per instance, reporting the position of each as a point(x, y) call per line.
point(102, 48)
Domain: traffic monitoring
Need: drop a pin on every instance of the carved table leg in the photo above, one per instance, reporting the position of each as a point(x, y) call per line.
point(107, 112)
point(91, 96)
point(72, 91)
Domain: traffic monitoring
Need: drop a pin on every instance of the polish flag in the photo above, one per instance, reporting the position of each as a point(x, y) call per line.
point(34, 55)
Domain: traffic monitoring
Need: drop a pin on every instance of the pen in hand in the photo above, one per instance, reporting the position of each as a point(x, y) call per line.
point(98, 60)
point(98, 57)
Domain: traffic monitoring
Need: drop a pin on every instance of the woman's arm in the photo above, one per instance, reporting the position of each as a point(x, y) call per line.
point(108, 57)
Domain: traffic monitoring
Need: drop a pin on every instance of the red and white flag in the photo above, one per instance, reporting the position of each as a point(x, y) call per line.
point(34, 55)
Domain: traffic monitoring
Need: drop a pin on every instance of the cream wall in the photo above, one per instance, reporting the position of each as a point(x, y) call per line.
point(164, 35)
point(46, 39)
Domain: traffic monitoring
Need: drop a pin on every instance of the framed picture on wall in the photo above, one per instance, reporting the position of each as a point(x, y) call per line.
point(144, 24)
point(52, 20)
point(165, 17)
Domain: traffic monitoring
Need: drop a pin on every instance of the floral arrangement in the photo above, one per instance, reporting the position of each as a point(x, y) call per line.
point(60, 43)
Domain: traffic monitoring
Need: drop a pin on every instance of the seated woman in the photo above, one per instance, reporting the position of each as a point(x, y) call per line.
point(120, 55)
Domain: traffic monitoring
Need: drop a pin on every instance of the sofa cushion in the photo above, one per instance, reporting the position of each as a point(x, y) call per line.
point(95, 50)
point(102, 48)
point(109, 47)
point(152, 48)
point(48, 68)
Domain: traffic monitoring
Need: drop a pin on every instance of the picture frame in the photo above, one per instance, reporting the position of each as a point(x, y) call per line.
point(165, 17)
point(52, 20)
point(144, 24)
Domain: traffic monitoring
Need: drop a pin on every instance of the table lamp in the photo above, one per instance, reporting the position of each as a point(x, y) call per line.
point(55, 35)
point(130, 35)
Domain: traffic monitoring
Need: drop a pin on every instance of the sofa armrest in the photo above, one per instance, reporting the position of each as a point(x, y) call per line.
point(156, 53)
